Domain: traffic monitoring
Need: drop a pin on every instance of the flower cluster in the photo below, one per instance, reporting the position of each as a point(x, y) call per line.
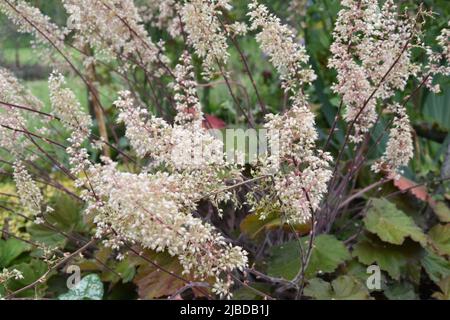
point(205, 31)
point(12, 91)
point(161, 14)
point(47, 35)
point(31, 20)
point(301, 185)
point(29, 194)
point(185, 145)
point(399, 149)
point(278, 42)
point(148, 135)
point(114, 28)
point(68, 110)
point(13, 121)
point(187, 103)
point(438, 62)
point(151, 209)
point(6, 275)
point(372, 56)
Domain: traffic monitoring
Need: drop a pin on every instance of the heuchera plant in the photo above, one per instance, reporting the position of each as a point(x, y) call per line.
point(164, 184)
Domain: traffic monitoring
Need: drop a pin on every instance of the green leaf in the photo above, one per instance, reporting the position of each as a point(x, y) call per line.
point(327, 254)
point(284, 260)
point(390, 258)
point(66, 217)
point(245, 293)
point(123, 270)
point(253, 226)
point(31, 272)
point(10, 250)
point(401, 291)
point(444, 285)
point(90, 287)
point(436, 267)
point(436, 111)
point(390, 224)
point(342, 288)
point(442, 211)
point(319, 289)
point(42, 234)
point(440, 238)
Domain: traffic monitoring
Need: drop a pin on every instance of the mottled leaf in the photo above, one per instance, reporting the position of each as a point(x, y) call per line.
point(89, 288)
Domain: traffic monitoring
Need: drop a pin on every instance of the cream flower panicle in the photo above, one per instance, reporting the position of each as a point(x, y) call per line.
point(48, 37)
point(155, 209)
point(31, 20)
point(399, 149)
point(161, 14)
point(187, 102)
point(68, 109)
point(292, 136)
point(148, 135)
point(114, 28)
point(29, 193)
point(279, 43)
point(12, 91)
point(371, 53)
point(438, 62)
point(13, 120)
point(150, 209)
point(205, 32)
point(301, 186)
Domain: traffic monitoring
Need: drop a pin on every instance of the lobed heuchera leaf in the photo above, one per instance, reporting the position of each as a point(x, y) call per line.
point(436, 267)
point(155, 283)
point(442, 211)
point(390, 224)
point(444, 285)
point(391, 258)
point(327, 254)
point(440, 238)
point(253, 226)
point(342, 288)
point(90, 287)
point(10, 249)
point(31, 271)
point(400, 291)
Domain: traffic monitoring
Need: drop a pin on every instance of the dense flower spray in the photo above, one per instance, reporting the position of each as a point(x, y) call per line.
point(177, 165)
point(114, 29)
point(300, 186)
point(202, 24)
point(372, 55)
